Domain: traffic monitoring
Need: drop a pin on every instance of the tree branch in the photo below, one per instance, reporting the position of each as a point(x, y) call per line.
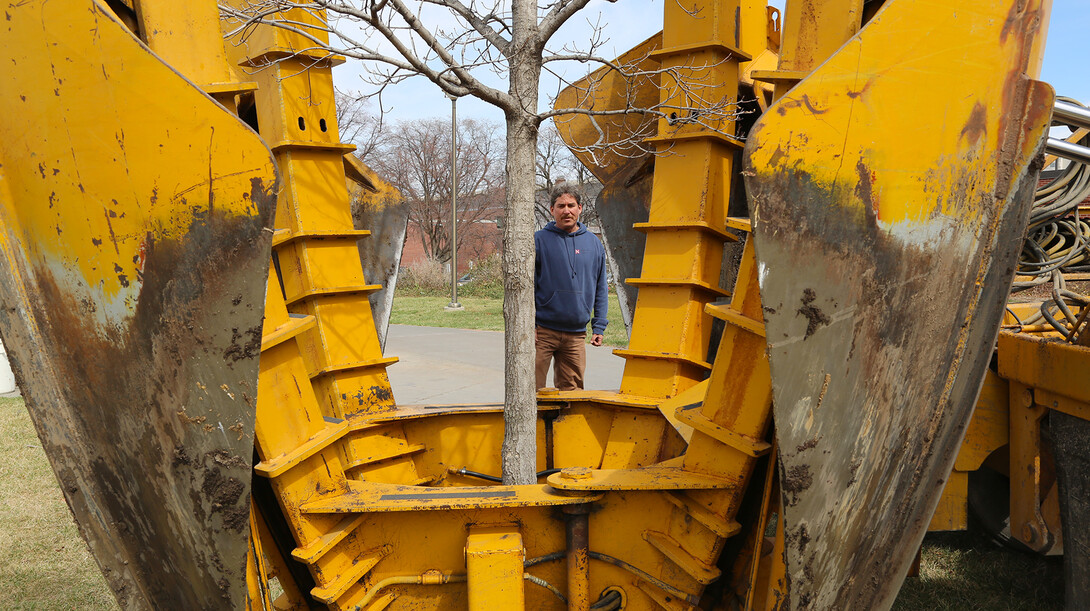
point(476, 22)
point(465, 83)
point(558, 15)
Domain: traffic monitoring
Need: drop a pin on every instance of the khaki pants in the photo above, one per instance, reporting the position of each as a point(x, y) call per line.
point(570, 352)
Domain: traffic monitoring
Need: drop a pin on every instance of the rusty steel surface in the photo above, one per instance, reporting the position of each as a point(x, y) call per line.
point(620, 205)
point(887, 226)
point(133, 233)
point(378, 207)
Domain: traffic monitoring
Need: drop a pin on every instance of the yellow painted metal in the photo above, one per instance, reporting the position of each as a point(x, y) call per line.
point(836, 101)
point(670, 331)
point(1027, 522)
point(656, 477)
point(759, 38)
point(678, 443)
point(1044, 375)
point(298, 450)
point(750, 398)
point(828, 120)
point(187, 36)
point(494, 558)
point(988, 431)
point(112, 214)
point(804, 45)
point(1035, 362)
point(776, 572)
point(684, 402)
point(375, 497)
point(607, 89)
point(1037, 50)
point(759, 576)
point(759, 570)
point(344, 476)
point(318, 261)
point(110, 257)
point(259, 594)
point(262, 47)
point(736, 412)
point(589, 136)
point(276, 565)
point(725, 418)
point(320, 273)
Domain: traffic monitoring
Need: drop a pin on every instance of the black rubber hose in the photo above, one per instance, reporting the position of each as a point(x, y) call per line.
point(611, 601)
point(658, 583)
point(498, 480)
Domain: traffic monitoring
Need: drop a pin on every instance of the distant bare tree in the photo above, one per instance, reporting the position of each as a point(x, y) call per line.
point(357, 125)
point(557, 166)
point(415, 158)
point(554, 165)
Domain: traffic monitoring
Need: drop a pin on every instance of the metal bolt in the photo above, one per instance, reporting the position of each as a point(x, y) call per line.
point(1029, 533)
point(576, 473)
point(1027, 398)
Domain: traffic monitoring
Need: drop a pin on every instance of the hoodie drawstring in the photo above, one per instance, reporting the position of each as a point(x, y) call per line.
point(571, 257)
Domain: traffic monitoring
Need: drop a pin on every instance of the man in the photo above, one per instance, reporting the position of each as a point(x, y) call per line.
point(570, 282)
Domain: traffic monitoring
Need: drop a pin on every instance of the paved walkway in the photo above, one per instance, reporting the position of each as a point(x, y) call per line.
point(443, 366)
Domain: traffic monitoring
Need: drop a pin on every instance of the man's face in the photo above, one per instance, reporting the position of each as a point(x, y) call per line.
point(566, 212)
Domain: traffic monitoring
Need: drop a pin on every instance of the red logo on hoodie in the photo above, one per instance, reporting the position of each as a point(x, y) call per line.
point(576, 251)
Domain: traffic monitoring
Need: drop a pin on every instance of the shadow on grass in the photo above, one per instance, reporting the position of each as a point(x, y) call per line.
point(970, 571)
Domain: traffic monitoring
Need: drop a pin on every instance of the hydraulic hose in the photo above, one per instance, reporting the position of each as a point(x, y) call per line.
point(428, 578)
point(495, 478)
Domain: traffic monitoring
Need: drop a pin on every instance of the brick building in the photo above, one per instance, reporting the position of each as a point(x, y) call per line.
point(484, 236)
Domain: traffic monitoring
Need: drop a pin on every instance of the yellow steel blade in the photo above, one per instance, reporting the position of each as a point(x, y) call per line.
point(611, 146)
point(133, 261)
point(889, 192)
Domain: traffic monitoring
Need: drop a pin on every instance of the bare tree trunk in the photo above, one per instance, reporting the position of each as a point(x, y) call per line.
point(519, 452)
point(520, 404)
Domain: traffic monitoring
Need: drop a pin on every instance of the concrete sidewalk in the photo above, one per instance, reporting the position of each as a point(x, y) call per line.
point(442, 366)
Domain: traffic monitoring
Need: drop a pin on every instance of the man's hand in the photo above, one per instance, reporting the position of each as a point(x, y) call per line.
point(596, 339)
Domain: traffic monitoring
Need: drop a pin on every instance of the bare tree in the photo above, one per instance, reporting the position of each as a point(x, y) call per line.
point(356, 125)
point(554, 165)
point(462, 48)
point(415, 157)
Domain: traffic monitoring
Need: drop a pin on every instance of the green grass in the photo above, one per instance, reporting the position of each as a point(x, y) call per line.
point(967, 571)
point(481, 313)
point(45, 564)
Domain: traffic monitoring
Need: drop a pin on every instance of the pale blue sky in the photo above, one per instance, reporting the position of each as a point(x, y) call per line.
point(627, 22)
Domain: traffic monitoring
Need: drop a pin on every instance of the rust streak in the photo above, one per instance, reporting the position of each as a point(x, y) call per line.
point(824, 389)
point(110, 226)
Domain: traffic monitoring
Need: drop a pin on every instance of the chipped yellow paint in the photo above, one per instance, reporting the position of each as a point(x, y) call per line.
point(845, 223)
point(135, 236)
point(885, 181)
point(347, 466)
point(123, 195)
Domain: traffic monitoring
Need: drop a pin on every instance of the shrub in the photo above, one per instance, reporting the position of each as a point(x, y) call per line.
point(428, 278)
point(486, 279)
point(425, 277)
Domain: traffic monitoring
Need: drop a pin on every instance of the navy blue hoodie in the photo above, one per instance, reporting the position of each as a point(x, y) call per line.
point(570, 280)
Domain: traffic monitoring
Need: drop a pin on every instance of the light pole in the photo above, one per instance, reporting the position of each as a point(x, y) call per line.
point(453, 305)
